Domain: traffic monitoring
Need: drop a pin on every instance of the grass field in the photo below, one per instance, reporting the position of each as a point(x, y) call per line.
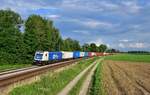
point(129, 57)
point(97, 86)
point(51, 85)
point(4, 67)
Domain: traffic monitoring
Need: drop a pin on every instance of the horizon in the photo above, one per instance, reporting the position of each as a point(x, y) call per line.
point(123, 25)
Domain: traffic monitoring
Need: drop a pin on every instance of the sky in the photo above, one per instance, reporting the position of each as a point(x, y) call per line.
point(120, 24)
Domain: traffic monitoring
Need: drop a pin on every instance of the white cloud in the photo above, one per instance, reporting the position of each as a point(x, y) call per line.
point(108, 6)
point(131, 6)
point(134, 45)
point(87, 5)
point(25, 7)
point(90, 23)
point(85, 32)
point(121, 45)
point(96, 24)
point(108, 45)
point(97, 42)
point(123, 7)
point(137, 45)
point(53, 16)
point(124, 40)
point(80, 5)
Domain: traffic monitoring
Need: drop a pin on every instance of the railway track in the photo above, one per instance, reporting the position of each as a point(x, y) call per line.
point(10, 77)
point(16, 70)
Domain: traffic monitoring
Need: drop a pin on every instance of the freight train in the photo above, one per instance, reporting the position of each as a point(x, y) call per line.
point(45, 57)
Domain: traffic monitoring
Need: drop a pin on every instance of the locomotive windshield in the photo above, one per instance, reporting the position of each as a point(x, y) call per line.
point(38, 56)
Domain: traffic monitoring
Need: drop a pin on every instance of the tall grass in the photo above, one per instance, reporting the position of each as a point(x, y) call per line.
point(51, 85)
point(97, 85)
point(129, 57)
point(76, 89)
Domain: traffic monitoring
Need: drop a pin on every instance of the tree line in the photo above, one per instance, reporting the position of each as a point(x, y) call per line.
point(39, 34)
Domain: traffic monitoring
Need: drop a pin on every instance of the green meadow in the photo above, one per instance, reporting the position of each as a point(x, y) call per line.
point(52, 84)
point(130, 57)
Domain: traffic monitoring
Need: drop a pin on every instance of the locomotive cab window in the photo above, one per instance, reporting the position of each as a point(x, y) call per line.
point(39, 56)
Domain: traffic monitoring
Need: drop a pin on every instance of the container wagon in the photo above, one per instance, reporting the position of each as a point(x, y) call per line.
point(85, 54)
point(82, 54)
point(67, 55)
point(76, 54)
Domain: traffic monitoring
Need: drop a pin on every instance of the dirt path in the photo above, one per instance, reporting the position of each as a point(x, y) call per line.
point(68, 88)
point(86, 84)
point(126, 78)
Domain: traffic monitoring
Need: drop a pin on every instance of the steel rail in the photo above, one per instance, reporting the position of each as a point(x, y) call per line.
point(12, 77)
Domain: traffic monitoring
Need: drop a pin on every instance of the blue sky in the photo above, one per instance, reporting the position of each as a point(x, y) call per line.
point(121, 24)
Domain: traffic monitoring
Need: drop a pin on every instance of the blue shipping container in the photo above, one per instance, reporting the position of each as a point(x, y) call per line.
point(85, 54)
point(76, 54)
point(55, 56)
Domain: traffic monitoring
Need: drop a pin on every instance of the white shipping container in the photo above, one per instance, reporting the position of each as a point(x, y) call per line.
point(93, 54)
point(82, 54)
point(67, 55)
